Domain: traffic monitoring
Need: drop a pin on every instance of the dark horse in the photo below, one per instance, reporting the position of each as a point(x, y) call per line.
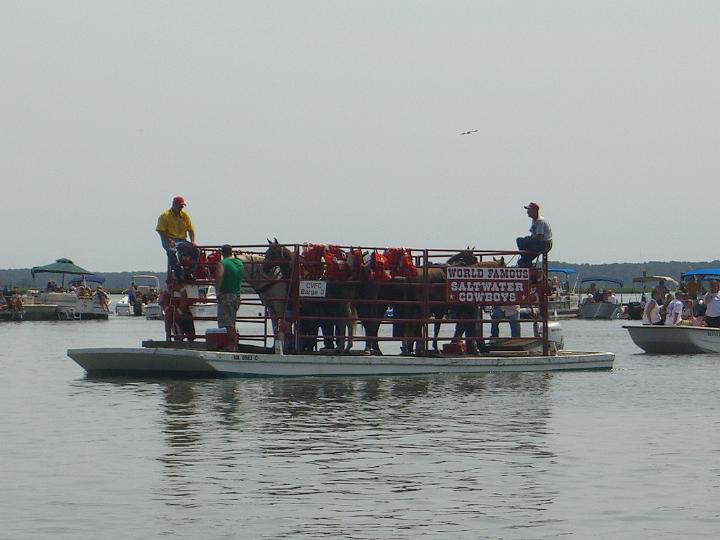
point(438, 308)
point(332, 314)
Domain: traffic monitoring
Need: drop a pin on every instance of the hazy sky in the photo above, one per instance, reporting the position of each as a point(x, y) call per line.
point(340, 121)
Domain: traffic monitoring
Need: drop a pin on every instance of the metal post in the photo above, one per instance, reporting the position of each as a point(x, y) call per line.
point(543, 291)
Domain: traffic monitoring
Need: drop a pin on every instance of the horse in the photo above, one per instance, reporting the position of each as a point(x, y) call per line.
point(333, 314)
point(438, 308)
point(468, 312)
point(273, 294)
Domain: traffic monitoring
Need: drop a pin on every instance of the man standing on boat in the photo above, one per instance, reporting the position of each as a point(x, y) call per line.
point(540, 238)
point(229, 274)
point(174, 227)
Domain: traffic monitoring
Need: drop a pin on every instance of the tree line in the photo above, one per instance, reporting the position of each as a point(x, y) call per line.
point(625, 272)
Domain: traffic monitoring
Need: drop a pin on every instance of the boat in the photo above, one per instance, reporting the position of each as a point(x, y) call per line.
point(173, 361)
point(601, 309)
point(153, 311)
point(677, 339)
point(149, 287)
point(79, 304)
point(206, 308)
point(563, 301)
point(296, 352)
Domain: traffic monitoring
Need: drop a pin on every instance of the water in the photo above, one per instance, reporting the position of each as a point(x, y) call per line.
point(632, 453)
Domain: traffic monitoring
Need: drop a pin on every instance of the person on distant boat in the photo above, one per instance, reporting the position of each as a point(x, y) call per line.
point(3, 302)
point(651, 314)
point(103, 298)
point(592, 295)
point(540, 238)
point(674, 309)
point(664, 303)
point(229, 274)
point(712, 303)
point(175, 227)
point(610, 297)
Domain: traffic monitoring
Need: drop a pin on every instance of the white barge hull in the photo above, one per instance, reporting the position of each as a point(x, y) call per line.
point(676, 339)
point(159, 361)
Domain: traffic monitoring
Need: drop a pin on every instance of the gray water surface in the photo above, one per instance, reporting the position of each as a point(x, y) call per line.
point(631, 453)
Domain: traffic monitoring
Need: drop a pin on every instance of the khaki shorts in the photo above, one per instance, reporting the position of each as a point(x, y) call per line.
point(227, 306)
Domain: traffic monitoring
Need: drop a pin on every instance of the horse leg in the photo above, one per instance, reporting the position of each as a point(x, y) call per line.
point(436, 332)
point(349, 325)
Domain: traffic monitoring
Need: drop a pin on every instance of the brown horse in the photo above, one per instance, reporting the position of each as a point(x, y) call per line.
point(469, 313)
point(438, 307)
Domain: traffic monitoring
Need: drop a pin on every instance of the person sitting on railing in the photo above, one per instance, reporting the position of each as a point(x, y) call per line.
point(540, 238)
point(174, 227)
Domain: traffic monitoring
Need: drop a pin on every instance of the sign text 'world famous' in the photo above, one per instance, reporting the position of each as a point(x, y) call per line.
point(488, 286)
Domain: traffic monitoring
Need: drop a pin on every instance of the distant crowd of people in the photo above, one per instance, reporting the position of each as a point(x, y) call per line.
point(691, 304)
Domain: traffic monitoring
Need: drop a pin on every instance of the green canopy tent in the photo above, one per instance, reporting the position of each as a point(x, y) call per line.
point(60, 266)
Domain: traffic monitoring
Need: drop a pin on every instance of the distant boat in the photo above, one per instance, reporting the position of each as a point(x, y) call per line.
point(68, 304)
point(600, 309)
point(563, 302)
point(149, 287)
point(677, 339)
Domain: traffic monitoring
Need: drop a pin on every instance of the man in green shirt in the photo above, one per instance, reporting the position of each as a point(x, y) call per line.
point(229, 274)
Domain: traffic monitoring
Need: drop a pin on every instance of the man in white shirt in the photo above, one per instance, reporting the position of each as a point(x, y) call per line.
point(674, 310)
point(540, 238)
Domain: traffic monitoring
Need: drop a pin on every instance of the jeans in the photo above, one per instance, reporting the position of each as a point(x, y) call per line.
point(498, 313)
point(182, 248)
point(534, 246)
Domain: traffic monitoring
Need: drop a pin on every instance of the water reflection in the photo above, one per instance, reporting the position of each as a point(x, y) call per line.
point(470, 446)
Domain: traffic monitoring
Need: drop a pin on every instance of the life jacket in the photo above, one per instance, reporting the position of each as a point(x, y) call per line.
point(212, 260)
point(378, 271)
point(336, 265)
point(201, 272)
point(311, 262)
point(399, 262)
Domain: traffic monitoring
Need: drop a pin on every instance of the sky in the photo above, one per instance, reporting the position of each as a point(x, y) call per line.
point(340, 122)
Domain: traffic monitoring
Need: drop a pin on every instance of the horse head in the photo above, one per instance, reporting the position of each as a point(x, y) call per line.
point(465, 257)
point(277, 256)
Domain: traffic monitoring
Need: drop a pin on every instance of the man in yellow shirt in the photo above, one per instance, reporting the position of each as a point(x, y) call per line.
point(174, 227)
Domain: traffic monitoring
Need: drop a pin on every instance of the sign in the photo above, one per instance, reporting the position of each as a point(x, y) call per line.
point(488, 286)
point(313, 289)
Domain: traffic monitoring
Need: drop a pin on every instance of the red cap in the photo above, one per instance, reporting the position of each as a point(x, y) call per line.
point(179, 201)
point(534, 205)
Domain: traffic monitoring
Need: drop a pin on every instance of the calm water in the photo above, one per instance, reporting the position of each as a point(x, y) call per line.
point(632, 453)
